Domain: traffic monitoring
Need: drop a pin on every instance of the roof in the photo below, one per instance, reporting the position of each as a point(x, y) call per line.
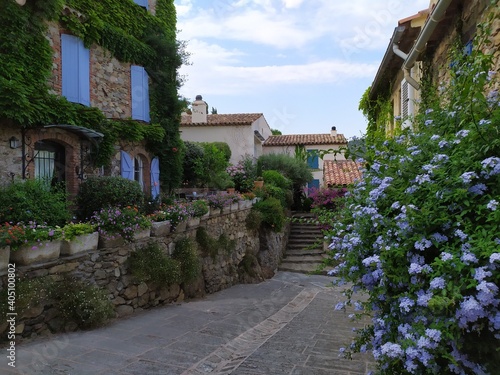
point(223, 120)
point(305, 139)
point(341, 172)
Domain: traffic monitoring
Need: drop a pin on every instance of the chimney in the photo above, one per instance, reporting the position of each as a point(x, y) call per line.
point(334, 131)
point(199, 111)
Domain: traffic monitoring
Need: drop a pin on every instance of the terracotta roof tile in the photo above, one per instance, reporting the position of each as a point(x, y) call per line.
point(341, 172)
point(227, 119)
point(305, 139)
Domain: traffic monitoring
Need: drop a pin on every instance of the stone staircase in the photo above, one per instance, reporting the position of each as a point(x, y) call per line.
point(304, 252)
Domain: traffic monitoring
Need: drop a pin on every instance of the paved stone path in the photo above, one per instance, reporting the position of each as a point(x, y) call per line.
point(286, 325)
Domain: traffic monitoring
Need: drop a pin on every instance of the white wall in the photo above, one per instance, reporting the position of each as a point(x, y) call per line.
point(290, 150)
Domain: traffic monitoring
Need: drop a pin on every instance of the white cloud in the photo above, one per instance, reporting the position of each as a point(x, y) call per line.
point(216, 70)
point(292, 3)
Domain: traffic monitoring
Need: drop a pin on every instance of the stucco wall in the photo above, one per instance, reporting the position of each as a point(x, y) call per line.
point(239, 138)
point(290, 150)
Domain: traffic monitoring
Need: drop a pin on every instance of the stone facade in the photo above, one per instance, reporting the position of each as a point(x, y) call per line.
point(108, 268)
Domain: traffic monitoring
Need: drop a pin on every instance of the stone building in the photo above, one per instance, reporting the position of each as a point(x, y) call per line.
point(91, 77)
point(424, 41)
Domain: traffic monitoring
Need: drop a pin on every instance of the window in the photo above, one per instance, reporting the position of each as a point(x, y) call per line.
point(49, 162)
point(75, 61)
point(313, 184)
point(312, 159)
point(142, 3)
point(140, 93)
point(155, 177)
point(139, 171)
point(407, 103)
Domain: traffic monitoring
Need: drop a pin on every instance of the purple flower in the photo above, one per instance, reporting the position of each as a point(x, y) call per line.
point(492, 205)
point(437, 283)
point(460, 234)
point(405, 304)
point(468, 176)
point(391, 350)
point(478, 189)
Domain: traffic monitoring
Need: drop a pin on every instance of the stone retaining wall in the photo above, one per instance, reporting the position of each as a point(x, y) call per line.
point(108, 268)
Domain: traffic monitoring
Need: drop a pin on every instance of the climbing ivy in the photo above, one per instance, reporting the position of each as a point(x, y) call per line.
point(131, 34)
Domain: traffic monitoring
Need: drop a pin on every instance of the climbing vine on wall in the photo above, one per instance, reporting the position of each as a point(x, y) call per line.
point(131, 34)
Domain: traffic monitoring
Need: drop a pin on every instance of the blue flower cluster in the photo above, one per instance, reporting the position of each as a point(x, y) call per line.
point(421, 235)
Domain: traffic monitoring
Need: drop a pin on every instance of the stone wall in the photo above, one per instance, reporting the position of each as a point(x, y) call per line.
point(108, 268)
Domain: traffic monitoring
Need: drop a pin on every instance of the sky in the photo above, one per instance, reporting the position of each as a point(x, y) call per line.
point(304, 64)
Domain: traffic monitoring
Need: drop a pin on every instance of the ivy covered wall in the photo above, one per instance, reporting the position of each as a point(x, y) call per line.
point(131, 34)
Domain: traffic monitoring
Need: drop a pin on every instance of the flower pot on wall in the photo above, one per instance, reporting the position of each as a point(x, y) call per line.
point(215, 211)
point(80, 244)
point(226, 209)
point(160, 228)
point(180, 227)
point(193, 222)
point(234, 207)
point(258, 184)
point(111, 241)
point(4, 258)
point(142, 233)
point(230, 190)
point(32, 254)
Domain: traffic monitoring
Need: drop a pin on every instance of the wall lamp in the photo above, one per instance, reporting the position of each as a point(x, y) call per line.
point(21, 2)
point(14, 142)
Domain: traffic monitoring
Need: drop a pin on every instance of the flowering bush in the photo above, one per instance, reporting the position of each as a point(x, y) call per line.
point(326, 197)
point(119, 221)
point(20, 234)
point(177, 212)
point(219, 200)
point(421, 234)
point(243, 174)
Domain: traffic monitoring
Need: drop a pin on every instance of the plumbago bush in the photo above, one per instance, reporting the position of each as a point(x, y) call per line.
point(421, 234)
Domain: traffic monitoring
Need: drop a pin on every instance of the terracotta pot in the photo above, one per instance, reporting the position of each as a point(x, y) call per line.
point(258, 184)
point(230, 190)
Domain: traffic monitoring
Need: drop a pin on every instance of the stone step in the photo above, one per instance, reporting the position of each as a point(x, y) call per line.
point(307, 238)
point(302, 244)
point(299, 252)
point(305, 226)
point(299, 267)
point(317, 259)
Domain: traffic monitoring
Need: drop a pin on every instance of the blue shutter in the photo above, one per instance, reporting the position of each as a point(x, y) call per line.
point(140, 93)
point(145, 85)
point(84, 74)
point(314, 184)
point(312, 160)
point(142, 3)
point(127, 166)
point(75, 61)
point(468, 48)
point(155, 177)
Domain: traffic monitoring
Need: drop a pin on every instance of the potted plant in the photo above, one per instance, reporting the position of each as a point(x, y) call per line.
point(178, 214)
point(218, 202)
point(33, 243)
point(118, 224)
point(259, 182)
point(79, 237)
point(200, 209)
point(160, 226)
point(233, 199)
point(230, 186)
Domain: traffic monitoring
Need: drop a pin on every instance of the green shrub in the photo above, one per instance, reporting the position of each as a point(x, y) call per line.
point(150, 264)
point(102, 192)
point(248, 264)
point(211, 246)
point(32, 200)
point(272, 212)
point(277, 179)
point(186, 254)
point(199, 207)
point(82, 303)
point(294, 169)
point(224, 148)
point(272, 191)
point(253, 220)
point(211, 169)
point(193, 151)
point(208, 245)
point(29, 293)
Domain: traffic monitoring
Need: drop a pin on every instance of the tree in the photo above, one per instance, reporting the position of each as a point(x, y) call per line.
point(276, 132)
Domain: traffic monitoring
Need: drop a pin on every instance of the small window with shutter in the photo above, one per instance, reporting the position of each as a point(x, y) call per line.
point(75, 62)
point(140, 93)
point(142, 3)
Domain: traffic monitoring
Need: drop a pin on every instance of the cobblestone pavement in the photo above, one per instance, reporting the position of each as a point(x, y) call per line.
point(286, 325)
